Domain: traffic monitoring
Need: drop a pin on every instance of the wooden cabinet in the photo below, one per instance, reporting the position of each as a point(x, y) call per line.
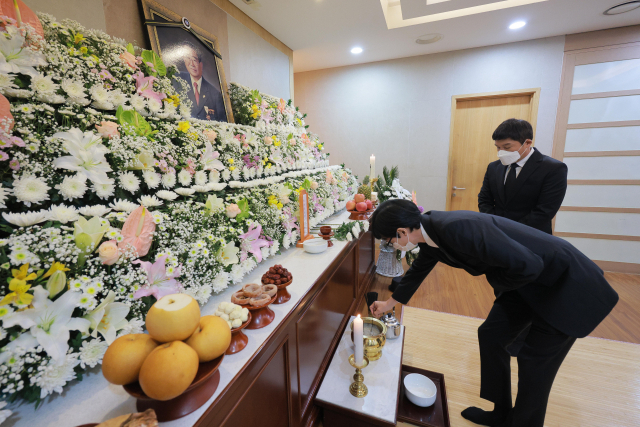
point(278, 386)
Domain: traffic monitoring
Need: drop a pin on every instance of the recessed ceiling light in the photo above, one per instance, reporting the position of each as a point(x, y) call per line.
point(517, 24)
point(356, 50)
point(622, 8)
point(429, 38)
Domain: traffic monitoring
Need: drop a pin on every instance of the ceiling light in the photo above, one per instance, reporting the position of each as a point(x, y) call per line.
point(517, 24)
point(356, 50)
point(429, 38)
point(622, 8)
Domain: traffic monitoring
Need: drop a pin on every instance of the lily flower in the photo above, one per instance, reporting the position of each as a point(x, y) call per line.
point(108, 318)
point(144, 161)
point(160, 283)
point(16, 58)
point(137, 231)
point(88, 234)
point(87, 156)
point(19, 286)
point(210, 158)
point(214, 205)
point(251, 242)
point(144, 87)
point(49, 323)
point(229, 254)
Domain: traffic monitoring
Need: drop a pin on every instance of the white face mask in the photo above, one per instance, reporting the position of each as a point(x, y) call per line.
point(509, 157)
point(406, 248)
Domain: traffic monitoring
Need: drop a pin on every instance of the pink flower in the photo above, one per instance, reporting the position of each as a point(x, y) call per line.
point(159, 282)
point(144, 87)
point(191, 166)
point(329, 178)
point(17, 141)
point(108, 129)
point(14, 164)
point(281, 105)
point(292, 141)
point(138, 231)
point(251, 242)
point(109, 252)
point(3, 156)
point(233, 210)
point(129, 59)
point(268, 140)
point(106, 75)
point(314, 185)
point(211, 135)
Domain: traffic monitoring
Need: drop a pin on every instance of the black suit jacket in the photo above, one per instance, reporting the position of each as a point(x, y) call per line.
point(540, 189)
point(556, 280)
point(210, 97)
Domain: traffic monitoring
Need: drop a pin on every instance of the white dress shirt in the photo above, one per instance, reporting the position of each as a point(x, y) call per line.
point(520, 165)
point(427, 239)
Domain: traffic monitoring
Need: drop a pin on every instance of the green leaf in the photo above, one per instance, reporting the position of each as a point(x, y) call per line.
point(306, 184)
point(289, 136)
point(130, 49)
point(244, 208)
point(156, 61)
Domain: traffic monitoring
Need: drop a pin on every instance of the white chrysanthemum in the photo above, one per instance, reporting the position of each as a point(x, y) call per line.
point(4, 413)
point(118, 98)
point(43, 85)
point(104, 191)
point(63, 214)
point(95, 210)
point(365, 226)
point(72, 187)
point(26, 219)
point(73, 88)
point(203, 294)
point(185, 111)
point(349, 237)
point(4, 193)
point(6, 81)
point(30, 189)
point(236, 273)
point(154, 105)
point(151, 178)
point(221, 282)
point(236, 174)
point(92, 352)
point(122, 205)
point(214, 176)
point(167, 195)
point(169, 180)
point(286, 241)
point(265, 252)
point(134, 326)
point(248, 265)
point(54, 376)
point(226, 174)
point(184, 177)
point(185, 191)
point(129, 182)
point(274, 248)
point(137, 102)
point(201, 178)
point(100, 94)
point(201, 188)
point(169, 109)
point(150, 201)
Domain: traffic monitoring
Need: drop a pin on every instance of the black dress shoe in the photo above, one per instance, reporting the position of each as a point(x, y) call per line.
point(394, 283)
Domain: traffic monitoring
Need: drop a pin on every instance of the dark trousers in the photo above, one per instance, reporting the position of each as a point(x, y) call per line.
point(540, 352)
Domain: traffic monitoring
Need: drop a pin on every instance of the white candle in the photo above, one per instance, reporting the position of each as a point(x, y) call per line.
point(374, 196)
point(372, 171)
point(358, 340)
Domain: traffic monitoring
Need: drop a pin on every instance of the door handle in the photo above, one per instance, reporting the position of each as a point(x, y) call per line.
point(458, 188)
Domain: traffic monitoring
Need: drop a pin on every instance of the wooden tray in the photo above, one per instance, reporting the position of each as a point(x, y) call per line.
point(436, 415)
point(360, 216)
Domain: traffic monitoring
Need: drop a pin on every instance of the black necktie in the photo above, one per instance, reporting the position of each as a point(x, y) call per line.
point(510, 183)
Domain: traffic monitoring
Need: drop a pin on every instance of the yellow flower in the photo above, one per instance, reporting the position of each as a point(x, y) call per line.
point(174, 99)
point(84, 49)
point(79, 38)
point(95, 58)
point(72, 51)
point(19, 286)
point(231, 161)
point(320, 147)
point(232, 168)
point(299, 121)
point(256, 111)
point(57, 266)
point(276, 143)
point(268, 165)
point(183, 126)
point(279, 205)
point(264, 162)
point(193, 136)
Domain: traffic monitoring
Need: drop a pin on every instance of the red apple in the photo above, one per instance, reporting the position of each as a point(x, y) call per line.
point(361, 207)
point(359, 198)
point(369, 204)
point(351, 205)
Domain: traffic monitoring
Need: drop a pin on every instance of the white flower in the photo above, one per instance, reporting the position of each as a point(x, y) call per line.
point(43, 85)
point(133, 327)
point(169, 180)
point(221, 282)
point(274, 248)
point(349, 237)
point(5, 413)
point(365, 226)
point(152, 179)
point(201, 188)
point(6, 81)
point(108, 318)
point(87, 155)
point(15, 58)
point(122, 205)
point(214, 176)
point(154, 105)
point(30, 189)
point(63, 214)
point(49, 323)
point(92, 352)
point(226, 174)
point(184, 177)
point(137, 102)
point(100, 94)
point(118, 98)
point(95, 210)
point(201, 178)
point(4, 193)
point(106, 190)
point(185, 191)
point(73, 88)
point(236, 273)
point(167, 195)
point(129, 182)
point(26, 219)
point(150, 201)
point(54, 376)
point(72, 187)
point(265, 252)
point(286, 241)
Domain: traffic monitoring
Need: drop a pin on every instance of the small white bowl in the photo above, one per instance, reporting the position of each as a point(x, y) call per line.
point(420, 390)
point(315, 246)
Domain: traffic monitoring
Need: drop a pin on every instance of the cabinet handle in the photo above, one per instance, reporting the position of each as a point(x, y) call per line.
point(458, 188)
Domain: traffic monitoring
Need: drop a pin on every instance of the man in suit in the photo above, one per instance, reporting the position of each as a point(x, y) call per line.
point(523, 185)
point(207, 101)
point(543, 283)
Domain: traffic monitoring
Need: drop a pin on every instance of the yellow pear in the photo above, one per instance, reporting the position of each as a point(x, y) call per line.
point(122, 362)
point(173, 318)
point(211, 338)
point(169, 370)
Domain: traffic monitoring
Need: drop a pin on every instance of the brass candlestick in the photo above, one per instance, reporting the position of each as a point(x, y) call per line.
point(357, 388)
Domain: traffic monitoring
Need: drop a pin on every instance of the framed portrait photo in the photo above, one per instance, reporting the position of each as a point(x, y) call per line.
point(197, 59)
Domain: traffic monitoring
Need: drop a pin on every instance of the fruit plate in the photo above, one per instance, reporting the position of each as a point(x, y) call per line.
point(197, 394)
point(238, 339)
point(361, 216)
point(262, 315)
point(283, 295)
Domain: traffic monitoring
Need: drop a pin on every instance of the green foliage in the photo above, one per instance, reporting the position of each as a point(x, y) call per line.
point(244, 208)
point(132, 120)
point(130, 49)
point(149, 56)
point(384, 183)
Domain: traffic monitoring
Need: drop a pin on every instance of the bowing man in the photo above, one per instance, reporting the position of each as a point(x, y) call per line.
point(543, 283)
point(523, 185)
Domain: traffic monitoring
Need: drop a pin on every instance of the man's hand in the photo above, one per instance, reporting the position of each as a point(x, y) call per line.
point(378, 308)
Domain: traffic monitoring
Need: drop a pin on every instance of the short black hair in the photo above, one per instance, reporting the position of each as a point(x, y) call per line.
point(195, 49)
point(394, 214)
point(518, 130)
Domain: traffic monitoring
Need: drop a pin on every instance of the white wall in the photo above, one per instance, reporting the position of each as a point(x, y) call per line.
point(400, 110)
point(255, 63)
point(89, 13)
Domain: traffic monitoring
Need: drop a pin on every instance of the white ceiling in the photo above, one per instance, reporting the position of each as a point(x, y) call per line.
point(322, 32)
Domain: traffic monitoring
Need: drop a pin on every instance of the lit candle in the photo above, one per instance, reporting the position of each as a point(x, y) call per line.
point(358, 340)
point(372, 171)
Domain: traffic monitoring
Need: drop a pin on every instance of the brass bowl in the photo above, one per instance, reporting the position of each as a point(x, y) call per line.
point(373, 344)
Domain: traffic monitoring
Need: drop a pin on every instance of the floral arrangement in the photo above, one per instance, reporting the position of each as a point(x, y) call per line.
point(350, 230)
point(112, 196)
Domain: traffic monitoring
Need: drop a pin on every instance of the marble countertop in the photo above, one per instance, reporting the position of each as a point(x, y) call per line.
point(94, 400)
point(379, 377)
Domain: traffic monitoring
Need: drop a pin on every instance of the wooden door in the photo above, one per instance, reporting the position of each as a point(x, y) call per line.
point(473, 120)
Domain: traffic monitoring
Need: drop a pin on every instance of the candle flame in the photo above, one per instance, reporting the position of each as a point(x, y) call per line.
point(358, 316)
